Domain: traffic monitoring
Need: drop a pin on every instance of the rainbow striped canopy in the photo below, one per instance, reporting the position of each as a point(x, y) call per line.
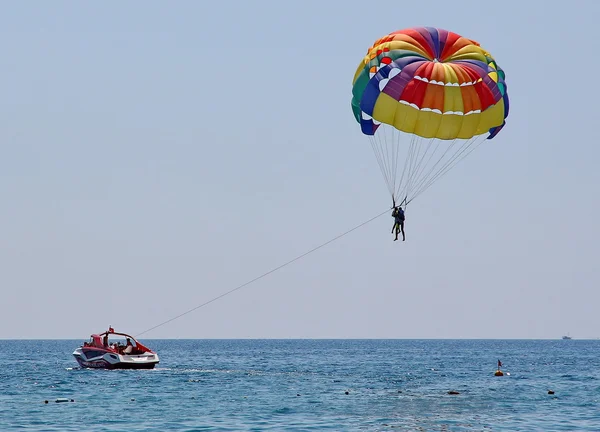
point(432, 83)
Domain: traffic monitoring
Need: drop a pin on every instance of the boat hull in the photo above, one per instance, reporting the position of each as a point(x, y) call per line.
point(93, 358)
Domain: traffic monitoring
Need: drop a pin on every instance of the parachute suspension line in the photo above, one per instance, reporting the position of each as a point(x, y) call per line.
point(413, 151)
point(377, 147)
point(431, 170)
point(378, 157)
point(463, 153)
point(466, 149)
point(397, 147)
point(419, 166)
point(426, 160)
point(394, 160)
point(339, 236)
point(392, 155)
point(386, 147)
point(379, 153)
point(386, 144)
point(397, 143)
point(420, 175)
point(418, 162)
point(413, 156)
point(413, 161)
point(389, 149)
point(404, 169)
point(381, 149)
point(449, 164)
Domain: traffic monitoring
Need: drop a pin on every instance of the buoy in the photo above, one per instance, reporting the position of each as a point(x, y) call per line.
point(550, 391)
point(347, 392)
point(499, 373)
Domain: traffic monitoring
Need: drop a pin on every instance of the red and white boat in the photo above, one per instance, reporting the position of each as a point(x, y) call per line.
point(114, 350)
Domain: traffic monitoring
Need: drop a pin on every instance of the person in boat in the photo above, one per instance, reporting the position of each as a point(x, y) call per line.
point(129, 348)
point(105, 340)
point(398, 215)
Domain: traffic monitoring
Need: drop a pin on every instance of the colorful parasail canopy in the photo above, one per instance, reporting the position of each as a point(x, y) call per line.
point(429, 84)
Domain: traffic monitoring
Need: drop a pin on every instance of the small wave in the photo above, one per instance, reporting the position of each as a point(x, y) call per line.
point(284, 410)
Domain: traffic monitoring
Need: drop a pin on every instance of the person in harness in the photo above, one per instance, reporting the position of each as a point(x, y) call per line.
point(398, 215)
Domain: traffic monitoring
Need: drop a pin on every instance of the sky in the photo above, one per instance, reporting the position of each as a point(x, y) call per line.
point(156, 155)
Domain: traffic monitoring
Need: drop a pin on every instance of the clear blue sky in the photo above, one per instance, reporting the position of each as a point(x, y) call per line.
point(155, 155)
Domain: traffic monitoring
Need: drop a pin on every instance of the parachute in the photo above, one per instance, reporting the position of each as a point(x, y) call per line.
point(426, 98)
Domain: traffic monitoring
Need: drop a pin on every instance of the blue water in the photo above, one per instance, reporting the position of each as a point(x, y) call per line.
point(301, 385)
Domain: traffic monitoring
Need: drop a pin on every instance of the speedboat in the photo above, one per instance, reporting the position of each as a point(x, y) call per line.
point(122, 351)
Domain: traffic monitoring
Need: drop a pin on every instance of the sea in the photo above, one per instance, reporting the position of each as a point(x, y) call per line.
point(307, 385)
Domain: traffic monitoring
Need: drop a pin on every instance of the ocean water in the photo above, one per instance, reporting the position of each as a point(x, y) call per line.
point(307, 385)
